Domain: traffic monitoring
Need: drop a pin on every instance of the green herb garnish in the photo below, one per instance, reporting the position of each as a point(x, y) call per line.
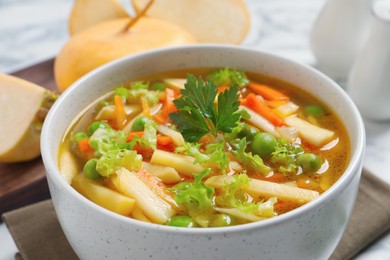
point(198, 115)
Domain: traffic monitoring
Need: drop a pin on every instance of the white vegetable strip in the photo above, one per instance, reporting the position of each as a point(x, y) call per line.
point(165, 173)
point(257, 188)
point(108, 112)
point(260, 122)
point(138, 214)
point(313, 134)
point(175, 83)
point(154, 207)
point(68, 166)
point(182, 163)
point(287, 109)
point(103, 196)
point(177, 137)
point(288, 133)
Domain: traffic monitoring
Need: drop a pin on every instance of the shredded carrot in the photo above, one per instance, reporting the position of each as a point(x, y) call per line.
point(119, 112)
point(84, 146)
point(222, 89)
point(284, 206)
point(275, 103)
point(169, 147)
point(261, 108)
point(164, 140)
point(146, 152)
point(267, 92)
point(169, 106)
point(145, 107)
point(157, 187)
point(159, 118)
point(133, 135)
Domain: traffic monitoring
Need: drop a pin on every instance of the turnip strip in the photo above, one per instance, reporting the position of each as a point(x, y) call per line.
point(287, 109)
point(103, 196)
point(260, 122)
point(288, 133)
point(259, 188)
point(177, 137)
point(108, 112)
point(154, 207)
point(165, 173)
point(182, 163)
point(68, 166)
point(175, 83)
point(313, 134)
point(138, 214)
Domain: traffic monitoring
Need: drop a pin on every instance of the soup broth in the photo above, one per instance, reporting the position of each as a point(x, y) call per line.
point(204, 148)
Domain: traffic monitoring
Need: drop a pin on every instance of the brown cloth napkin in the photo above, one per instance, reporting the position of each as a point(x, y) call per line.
point(38, 235)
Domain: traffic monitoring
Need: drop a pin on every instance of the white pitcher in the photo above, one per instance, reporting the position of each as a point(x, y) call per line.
point(369, 80)
point(338, 34)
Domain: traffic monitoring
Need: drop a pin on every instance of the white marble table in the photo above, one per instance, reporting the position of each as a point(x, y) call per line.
point(34, 30)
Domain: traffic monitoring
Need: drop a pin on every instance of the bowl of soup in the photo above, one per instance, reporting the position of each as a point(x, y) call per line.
point(210, 151)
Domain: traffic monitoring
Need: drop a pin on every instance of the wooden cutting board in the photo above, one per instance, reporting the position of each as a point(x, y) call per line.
point(25, 183)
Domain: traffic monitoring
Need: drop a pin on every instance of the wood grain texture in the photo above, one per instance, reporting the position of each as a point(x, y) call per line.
point(25, 183)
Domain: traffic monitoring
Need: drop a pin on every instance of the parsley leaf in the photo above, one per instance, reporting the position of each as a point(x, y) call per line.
point(198, 115)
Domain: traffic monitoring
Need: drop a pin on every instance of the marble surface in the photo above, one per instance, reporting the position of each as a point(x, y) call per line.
point(34, 30)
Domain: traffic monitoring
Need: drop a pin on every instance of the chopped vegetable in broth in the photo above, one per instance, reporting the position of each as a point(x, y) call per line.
point(204, 148)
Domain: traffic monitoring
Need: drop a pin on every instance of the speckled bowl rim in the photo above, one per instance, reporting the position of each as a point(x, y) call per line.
point(343, 181)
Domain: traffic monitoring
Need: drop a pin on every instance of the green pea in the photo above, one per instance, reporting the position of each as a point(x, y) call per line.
point(139, 124)
point(96, 125)
point(158, 86)
point(314, 110)
point(77, 137)
point(90, 170)
point(222, 220)
point(181, 221)
point(248, 132)
point(309, 162)
point(263, 144)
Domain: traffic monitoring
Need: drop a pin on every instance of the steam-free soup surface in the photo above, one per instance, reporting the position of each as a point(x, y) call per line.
point(204, 148)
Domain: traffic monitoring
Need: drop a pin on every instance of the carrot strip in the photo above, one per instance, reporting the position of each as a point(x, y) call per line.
point(164, 140)
point(145, 107)
point(267, 92)
point(133, 135)
point(84, 146)
point(169, 147)
point(159, 118)
point(222, 89)
point(169, 106)
point(119, 112)
point(261, 108)
point(146, 152)
point(275, 103)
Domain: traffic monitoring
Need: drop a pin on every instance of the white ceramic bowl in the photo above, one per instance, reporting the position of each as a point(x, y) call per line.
point(309, 232)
